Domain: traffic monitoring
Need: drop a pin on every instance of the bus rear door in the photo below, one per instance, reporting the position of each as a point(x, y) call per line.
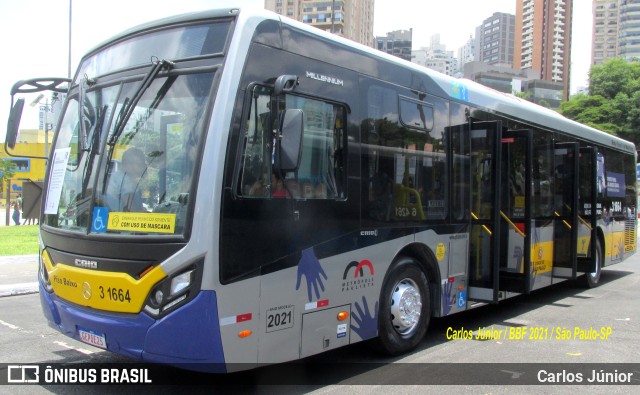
point(515, 211)
point(566, 210)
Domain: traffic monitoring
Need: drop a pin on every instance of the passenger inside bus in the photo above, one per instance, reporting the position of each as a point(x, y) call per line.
point(277, 186)
point(123, 192)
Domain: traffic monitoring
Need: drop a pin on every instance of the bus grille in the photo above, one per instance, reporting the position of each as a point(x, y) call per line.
point(630, 235)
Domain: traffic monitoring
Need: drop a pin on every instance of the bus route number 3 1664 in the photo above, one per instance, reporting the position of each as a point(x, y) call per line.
point(115, 294)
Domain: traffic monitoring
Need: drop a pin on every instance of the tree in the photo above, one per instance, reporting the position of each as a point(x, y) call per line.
point(614, 77)
point(595, 111)
point(613, 102)
point(6, 170)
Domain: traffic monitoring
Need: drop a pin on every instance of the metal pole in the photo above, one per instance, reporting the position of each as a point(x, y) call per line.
point(8, 202)
point(333, 14)
point(46, 130)
point(69, 63)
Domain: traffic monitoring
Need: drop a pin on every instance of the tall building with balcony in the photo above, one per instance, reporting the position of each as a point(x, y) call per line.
point(543, 39)
point(616, 30)
point(629, 29)
point(352, 19)
point(496, 39)
point(604, 40)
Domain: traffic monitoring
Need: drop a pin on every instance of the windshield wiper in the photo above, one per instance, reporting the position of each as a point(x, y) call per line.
point(82, 133)
point(128, 106)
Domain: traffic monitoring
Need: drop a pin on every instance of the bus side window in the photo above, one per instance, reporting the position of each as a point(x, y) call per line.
point(255, 180)
point(406, 162)
point(321, 174)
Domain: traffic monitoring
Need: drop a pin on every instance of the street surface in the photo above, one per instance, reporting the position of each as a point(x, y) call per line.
point(612, 310)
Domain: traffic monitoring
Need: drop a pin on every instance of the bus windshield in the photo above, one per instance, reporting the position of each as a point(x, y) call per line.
point(132, 179)
point(124, 160)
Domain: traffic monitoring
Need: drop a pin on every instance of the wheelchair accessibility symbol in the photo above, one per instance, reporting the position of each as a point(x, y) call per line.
point(99, 222)
point(462, 298)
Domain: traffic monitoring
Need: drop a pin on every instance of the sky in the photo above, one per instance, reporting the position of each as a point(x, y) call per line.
point(35, 33)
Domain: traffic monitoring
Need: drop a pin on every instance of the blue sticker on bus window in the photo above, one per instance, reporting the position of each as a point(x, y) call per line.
point(616, 186)
point(459, 91)
point(99, 221)
point(462, 298)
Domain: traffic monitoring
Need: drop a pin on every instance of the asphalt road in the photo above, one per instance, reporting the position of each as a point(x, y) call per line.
point(612, 310)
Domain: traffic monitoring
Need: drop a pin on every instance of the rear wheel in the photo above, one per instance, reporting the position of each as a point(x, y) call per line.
point(405, 307)
point(591, 280)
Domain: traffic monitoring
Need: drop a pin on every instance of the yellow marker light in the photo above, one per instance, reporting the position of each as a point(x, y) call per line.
point(245, 333)
point(343, 315)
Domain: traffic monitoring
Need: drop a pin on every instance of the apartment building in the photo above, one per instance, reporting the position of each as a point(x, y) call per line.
point(543, 39)
point(467, 53)
point(496, 39)
point(351, 19)
point(436, 57)
point(397, 43)
point(629, 29)
point(604, 40)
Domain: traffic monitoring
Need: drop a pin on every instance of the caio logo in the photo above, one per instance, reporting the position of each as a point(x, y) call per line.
point(362, 277)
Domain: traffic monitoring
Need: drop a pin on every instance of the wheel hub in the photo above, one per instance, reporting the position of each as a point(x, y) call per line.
point(406, 305)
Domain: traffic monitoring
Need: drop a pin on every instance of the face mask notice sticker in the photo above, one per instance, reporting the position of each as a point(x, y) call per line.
point(56, 179)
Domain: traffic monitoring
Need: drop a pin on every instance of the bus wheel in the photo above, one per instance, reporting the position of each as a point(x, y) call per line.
point(405, 307)
point(591, 280)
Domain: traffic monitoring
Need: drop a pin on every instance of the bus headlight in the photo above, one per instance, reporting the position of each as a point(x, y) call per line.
point(174, 290)
point(180, 282)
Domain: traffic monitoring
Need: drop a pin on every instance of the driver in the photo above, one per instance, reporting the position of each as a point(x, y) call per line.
point(123, 190)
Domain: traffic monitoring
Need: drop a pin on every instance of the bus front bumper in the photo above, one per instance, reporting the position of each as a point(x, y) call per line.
point(188, 337)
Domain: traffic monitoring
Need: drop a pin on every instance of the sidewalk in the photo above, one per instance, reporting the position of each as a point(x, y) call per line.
point(3, 218)
point(18, 275)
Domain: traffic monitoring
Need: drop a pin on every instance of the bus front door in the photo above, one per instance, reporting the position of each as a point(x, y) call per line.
point(485, 211)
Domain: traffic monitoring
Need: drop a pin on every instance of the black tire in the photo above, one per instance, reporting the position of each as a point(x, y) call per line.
point(404, 288)
point(591, 280)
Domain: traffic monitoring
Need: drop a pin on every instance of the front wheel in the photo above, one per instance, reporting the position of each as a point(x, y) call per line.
point(591, 280)
point(405, 307)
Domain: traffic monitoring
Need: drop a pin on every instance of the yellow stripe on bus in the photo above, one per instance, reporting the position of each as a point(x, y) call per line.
point(109, 291)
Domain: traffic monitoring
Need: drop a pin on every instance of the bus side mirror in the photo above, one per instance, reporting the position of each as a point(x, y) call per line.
point(291, 131)
point(14, 123)
point(284, 84)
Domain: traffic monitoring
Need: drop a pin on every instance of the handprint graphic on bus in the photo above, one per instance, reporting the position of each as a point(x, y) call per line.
point(310, 267)
point(448, 299)
point(367, 323)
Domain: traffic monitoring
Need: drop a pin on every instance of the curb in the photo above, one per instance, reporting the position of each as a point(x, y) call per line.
point(18, 289)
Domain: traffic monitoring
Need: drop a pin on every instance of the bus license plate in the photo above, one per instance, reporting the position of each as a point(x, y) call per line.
point(94, 338)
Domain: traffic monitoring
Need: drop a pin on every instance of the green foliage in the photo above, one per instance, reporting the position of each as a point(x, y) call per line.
point(614, 77)
point(19, 240)
point(6, 168)
point(613, 102)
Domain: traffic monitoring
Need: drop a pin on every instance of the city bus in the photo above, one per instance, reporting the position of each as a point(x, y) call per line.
point(232, 188)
